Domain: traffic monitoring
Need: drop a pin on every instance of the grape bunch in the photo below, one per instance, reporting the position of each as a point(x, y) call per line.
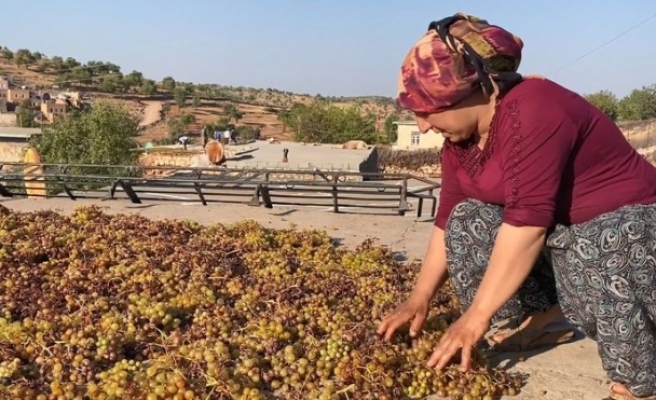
point(98, 306)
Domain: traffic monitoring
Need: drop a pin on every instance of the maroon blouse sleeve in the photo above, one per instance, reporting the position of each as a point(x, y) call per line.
point(450, 192)
point(536, 140)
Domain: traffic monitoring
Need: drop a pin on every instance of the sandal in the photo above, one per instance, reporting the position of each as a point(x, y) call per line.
point(618, 396)
point(519, 340)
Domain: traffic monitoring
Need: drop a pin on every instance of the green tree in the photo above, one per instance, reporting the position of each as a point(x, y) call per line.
point(233, 112)
point(179, 125)
point(639, 105)
point(80, 75)
point(390, 128)
point(6, 54)
point(71, 63)
point(322, 122)
point(180, 97)
point(23, 57)
point(147, 87)
point(25, 114)
point(104, 135)
point(134, 78)
point(56, 63)
point(606, 101)
point(196, 101)
point(110, 83)
point(168, 83)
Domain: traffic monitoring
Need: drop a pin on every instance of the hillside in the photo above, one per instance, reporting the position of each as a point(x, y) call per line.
point(206, 102)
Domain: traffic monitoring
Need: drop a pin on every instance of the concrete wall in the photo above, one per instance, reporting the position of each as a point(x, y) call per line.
point(405, 132)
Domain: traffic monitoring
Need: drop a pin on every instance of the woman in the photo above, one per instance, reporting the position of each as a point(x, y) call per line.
point(544, 205)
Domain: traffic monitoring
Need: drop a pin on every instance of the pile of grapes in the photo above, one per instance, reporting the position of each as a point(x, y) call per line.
point(94, 306)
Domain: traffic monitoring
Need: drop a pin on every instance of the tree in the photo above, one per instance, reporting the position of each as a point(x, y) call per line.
point(606, 101)
point(71, 63)
point(6, 54)
point(179, 125)
point(110, 83)
point(168, 83)
point(23, 57)
point(25, 114)
point(147, 87)
point(103, 135)
point(639, 105)
point(325, 123)
point(134, 78)
point(180, 97)
point(390, 128)
point(80, 75)
point(196, 102)
point(233, 112)
point(56, 63)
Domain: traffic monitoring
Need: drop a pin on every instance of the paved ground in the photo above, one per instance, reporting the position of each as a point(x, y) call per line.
point(366, 197)
point(270, 155)
point(568, 372)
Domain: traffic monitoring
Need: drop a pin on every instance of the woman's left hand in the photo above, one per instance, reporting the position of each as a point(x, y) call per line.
point(463, 335)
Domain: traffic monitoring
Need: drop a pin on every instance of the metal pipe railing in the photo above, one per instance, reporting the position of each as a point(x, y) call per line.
point(210, 185)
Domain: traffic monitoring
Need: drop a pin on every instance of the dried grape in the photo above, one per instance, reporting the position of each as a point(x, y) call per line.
point(98, 306)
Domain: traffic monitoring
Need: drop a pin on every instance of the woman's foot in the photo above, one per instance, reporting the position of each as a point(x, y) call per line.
point(535, 331)
point(619, 391)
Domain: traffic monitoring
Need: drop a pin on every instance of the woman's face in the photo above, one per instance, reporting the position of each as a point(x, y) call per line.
point(456, 124)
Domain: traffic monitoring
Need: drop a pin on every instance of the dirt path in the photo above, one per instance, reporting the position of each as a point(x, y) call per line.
point(568, 372)
point(151, 113)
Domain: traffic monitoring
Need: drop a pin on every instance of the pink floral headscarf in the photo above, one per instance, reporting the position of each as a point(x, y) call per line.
point(455, 57)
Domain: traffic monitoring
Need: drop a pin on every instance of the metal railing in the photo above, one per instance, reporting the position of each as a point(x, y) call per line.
point(268, 187)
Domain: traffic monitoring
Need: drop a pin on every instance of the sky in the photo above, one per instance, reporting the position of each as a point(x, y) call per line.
point(336, 47)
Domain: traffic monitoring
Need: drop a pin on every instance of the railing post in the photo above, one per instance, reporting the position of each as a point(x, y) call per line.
point(255, 200)
point(132, 195)
point(335, 194)
point(266, 196)
point(4, 192)
point(403, 200)
point(200, 193)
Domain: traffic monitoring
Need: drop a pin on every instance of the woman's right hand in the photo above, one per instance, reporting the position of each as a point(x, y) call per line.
point(414, 309)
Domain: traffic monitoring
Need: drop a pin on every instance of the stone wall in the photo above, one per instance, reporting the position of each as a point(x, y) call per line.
point(12, 152)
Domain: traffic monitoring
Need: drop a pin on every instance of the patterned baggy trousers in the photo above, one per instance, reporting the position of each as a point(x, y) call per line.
point(602, 273)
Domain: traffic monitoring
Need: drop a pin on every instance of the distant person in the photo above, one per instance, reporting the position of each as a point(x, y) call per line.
point(218, 135)
point(226, 136)
point(184, 141)
point(205, 140)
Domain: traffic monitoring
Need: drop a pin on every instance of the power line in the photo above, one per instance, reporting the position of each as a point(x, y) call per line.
point(604, 44)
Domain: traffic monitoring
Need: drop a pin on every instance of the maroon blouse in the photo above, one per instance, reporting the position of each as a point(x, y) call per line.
point(551, 158)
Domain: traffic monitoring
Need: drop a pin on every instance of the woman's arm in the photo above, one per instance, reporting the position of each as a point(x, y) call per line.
point(515, 252)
